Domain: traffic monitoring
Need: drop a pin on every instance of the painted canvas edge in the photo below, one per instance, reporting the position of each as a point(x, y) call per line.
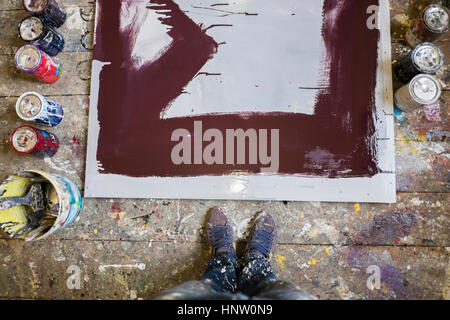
point(381, 188)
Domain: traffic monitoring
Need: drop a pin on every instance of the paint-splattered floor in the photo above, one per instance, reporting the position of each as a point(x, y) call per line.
point(131, 249)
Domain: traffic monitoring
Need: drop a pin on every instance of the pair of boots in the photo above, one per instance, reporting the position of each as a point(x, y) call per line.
point(254, 266)
point(226, 278)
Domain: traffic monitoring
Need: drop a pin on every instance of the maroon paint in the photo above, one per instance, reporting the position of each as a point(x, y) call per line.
point(134, 141)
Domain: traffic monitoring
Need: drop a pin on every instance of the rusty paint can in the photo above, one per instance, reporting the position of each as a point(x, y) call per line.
point(432, 24)
point(27, 139)
point(425, 58)
point(48, 10)
point(423, 89)
point(32, 60)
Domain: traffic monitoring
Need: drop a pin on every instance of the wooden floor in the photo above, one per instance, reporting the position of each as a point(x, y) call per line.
point(131, 249)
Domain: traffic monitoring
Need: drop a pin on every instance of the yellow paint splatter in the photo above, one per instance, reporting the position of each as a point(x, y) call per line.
point(234, 245)
point(406, 146)
point(120, 279)
point(95, 231)
point(302, 215)
point(327, 250)
point(313, 233)
point(270, 256)
point(280, 260)
point(312, 261)
point(357, 208)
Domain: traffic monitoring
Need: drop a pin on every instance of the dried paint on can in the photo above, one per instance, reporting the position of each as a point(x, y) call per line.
point(32, 29)
point(32, 60)
point(425, 58)
point(32, 106)
point(423, 89)
point(65, 191)
point(27, 140)
point(432, 24)
point(48, 10)
point(69, 198)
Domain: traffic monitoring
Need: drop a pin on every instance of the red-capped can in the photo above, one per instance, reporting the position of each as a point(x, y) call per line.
point(32, 60)
point(27, 139)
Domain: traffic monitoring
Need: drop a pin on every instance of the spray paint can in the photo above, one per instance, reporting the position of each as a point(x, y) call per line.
point(32, 106)
point(432, 24)
point(27, 139)
point(48, 10)
point(33, 30)
point(32, 60)
point(425, 58)
point(423, 89)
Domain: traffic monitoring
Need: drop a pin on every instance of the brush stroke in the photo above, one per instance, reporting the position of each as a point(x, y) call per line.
point(134, 141)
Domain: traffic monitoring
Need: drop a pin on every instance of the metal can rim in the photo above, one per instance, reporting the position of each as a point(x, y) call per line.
point(35, 12)
point(29, 93)
point(424, 21)
point(20, 24)
point(441, 63)
point(12, 139)
point(417, 99)
point(21, 49)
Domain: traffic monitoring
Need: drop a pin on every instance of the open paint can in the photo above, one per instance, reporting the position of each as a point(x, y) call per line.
point(63, 204)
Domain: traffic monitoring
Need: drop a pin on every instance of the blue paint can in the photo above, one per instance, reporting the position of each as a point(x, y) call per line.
point(33, 30)
point(48, 10)
point(32, 106)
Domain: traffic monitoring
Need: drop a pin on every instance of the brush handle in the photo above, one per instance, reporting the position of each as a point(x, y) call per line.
point(10, 202)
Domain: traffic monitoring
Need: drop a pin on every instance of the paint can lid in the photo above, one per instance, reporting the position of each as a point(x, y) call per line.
point(425, 89)
point(427, 58)
point(24, 139)
point(30, 28)
point(35, 6)
point(29, 106)
point(28, 58)
point(436, 18)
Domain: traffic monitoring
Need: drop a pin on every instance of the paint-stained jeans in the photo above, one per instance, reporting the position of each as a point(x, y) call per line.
point(220, 281)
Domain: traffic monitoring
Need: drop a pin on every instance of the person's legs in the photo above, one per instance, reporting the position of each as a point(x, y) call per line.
point(221, 272)
point(219, 280)
point(254, 266)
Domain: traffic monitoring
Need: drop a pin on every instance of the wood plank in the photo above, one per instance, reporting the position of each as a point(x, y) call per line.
point(75, 77)
point(417, 219)
point(40, 270)
point(77, 31)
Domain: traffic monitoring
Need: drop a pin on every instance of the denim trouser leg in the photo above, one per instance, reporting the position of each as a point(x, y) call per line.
point(218, 282)
point(221, 273)
point(257, 280)
point(253, 270)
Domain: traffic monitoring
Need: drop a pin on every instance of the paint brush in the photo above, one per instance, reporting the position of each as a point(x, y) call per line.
point(34, 221)
point(34, 199)
point(36, 232)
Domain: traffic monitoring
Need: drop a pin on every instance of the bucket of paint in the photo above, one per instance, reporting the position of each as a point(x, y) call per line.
point(67, 193)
